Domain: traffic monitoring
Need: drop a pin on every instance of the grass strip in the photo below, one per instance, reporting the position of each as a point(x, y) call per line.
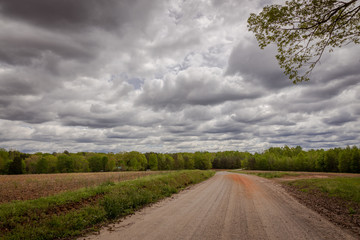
point(33, 219)
point(342, 187)
point(268, 174)
point(22, 212)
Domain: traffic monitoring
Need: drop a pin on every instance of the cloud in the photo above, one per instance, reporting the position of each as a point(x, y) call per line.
point(340, 119)
point(194, 86)
point(78, 15)
point(257, 65)
point(163, 76)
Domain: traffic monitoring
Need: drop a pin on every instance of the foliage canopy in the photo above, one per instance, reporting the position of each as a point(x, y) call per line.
point(304, 29)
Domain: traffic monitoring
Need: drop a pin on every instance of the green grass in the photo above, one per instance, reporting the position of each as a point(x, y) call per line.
point(41, 218)
point(268, 174)
point(344, 187)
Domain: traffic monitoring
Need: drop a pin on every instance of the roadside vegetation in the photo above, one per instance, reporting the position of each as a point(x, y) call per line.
point(72, 213)
point(342, 187)
point(268, 174)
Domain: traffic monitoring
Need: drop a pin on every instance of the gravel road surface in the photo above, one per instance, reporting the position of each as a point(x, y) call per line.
point(227, 206)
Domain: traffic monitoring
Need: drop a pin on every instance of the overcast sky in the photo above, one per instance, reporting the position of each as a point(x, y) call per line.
point(162, 76)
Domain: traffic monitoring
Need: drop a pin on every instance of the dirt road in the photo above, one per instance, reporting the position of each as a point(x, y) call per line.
point(227, 206)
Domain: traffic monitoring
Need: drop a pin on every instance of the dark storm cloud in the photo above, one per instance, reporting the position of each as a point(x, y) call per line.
point(128, 136)
point(187, 130)
point(340, 119)
point(21, 49)
point(253, 118)
point(69, 15)
point(128, 132)
point(77, 116)
point(257, 66)
point(11, 85)
point(356, 109)
point(329, 89)
point(292, 104)
point(46, 44)
point(325, 133)
point(101, 117)
point(224, 126)
point(341, 139)
point(92, 122)
point(64, 28)
point(25, 115)
point(23, 105)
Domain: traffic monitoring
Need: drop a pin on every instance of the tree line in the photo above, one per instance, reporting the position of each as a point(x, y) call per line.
point(15, 162)
point(295, 159)
point(275, 158)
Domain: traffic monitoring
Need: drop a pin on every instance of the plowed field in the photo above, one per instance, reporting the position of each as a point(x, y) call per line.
point(32, 186)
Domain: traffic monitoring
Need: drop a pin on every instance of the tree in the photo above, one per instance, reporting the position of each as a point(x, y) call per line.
point(261, 162)
point(331, 161)
point(251, 162)
point(96, 163)
point(355, 160)
point(344, 160)
point(203, 160)
point(52, 163)
point(135, 161)
point(65, 164)
point(153, 161)
point(104, 161)
point(169, 162)
point(42, 166)
point(80, 163)
point(161, 161)
point(320, 161)
point(120, 161)
point(110, 165)
point(304, 29)
point(227, 160)
point(4, 160)
point(31, 162)
point(16, 166)
point(179, 161)
point(189, 162)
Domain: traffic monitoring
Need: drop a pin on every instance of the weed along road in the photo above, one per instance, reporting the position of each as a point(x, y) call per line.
point(227, 206)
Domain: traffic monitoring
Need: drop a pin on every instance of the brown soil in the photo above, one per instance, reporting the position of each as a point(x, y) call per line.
point(63, 209)
point(308, 175)
point(33, 186)
point(338, 211)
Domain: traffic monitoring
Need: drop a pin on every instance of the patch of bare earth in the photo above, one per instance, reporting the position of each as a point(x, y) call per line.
point(343, 213)
point(33, 186)
point(309, 175)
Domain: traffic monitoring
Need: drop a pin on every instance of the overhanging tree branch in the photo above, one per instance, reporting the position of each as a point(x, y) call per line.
point(304, 29)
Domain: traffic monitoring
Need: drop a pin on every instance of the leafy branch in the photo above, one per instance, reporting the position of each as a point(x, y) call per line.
point(304, 29)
